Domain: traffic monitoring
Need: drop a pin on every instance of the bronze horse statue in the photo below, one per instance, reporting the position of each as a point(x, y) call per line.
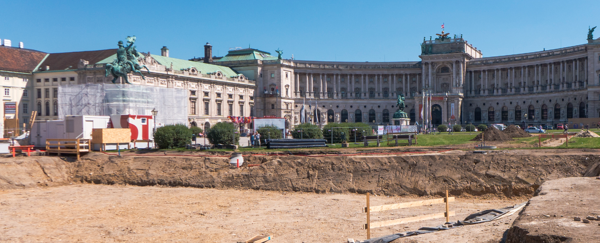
point(126, 62)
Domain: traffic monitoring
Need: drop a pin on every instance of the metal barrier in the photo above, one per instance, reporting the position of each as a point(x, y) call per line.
point(370, 209)
point(67, 146)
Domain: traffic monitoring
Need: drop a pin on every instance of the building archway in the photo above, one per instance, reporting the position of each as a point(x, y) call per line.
point(491, 114)
point(436, 115)
point(477, 114)
point(518, 113)
point(530, 113)
point(386, 116)
point(582, 110)
point(569, 110)
point(357, 115)
point(344, 115)
point(372, 116)
point(544, 112)
point(330, 116)
point(504, 113)
point(557, 112)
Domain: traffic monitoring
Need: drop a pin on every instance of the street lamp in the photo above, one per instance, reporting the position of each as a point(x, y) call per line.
point(154, 113)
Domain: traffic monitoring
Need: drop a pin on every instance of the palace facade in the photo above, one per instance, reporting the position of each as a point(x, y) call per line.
point(546, 87)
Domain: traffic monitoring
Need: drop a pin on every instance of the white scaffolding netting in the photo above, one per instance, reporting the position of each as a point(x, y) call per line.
point(120, 99)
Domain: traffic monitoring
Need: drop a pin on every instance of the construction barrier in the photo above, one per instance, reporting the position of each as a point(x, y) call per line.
point(370, 209)
point(67, 146)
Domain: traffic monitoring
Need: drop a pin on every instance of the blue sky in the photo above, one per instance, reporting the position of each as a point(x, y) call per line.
point(372, 31)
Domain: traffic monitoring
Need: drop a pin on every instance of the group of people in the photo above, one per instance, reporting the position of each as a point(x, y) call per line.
point(255, 140)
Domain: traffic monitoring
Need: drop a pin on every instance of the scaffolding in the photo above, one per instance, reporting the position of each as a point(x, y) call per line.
point(123, 99)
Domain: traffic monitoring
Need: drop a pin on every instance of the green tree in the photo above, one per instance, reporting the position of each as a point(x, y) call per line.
point(164, 137)
point(268, 131)
point(481, 127)
point(183, 136)
point(349, 129)
point(307, 130)
point(470, 128)
point(456, 128)
point(442, 128)
point(196, 130)
point(222, 133)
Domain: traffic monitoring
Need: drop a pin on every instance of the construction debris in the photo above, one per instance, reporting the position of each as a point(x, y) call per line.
point(586, 134)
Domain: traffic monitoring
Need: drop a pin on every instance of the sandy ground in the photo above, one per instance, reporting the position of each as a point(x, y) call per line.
point(103, 213)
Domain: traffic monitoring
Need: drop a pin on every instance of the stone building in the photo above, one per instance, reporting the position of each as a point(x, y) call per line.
point(545, 87)
point(214, 92)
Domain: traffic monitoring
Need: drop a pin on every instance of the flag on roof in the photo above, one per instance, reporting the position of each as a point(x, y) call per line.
point(442, 26)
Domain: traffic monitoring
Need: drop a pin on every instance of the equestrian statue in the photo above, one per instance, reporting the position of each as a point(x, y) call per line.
point(126, 62)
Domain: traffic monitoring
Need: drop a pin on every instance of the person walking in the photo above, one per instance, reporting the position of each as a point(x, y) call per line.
point(566, 128)
point(252, 140)
point(258, 139)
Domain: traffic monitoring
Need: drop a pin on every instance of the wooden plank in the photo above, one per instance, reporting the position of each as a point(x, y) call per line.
point(408, 204)
point(368, 225)
point(259, 239)
point(408, 220)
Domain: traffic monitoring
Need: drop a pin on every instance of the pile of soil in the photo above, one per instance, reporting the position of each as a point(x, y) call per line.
point(586, 134)
point(514, 132)
point(493, 134)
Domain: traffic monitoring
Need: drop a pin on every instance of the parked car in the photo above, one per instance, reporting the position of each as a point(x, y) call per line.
point(535, 130)
point(560, 126)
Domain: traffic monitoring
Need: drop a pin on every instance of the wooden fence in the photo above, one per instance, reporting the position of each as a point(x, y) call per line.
point(370, 209)
point(67, 146)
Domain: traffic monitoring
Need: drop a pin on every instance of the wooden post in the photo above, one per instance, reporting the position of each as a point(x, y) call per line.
point(77, 145)
point(567, 137)
point(447, 208)
point(540, 141)
point(368, 218)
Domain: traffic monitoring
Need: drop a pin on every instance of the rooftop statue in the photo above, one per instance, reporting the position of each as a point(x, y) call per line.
point(591, 33)
point(126, 62)
point(279, 53)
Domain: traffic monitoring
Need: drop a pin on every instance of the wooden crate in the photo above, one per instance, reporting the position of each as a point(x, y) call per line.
point(111, 135)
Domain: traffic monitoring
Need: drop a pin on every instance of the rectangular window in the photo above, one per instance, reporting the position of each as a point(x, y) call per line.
point(218, 95)
point(251, 110)
point(241, 109)
point(24, 93)
point(25, 110)
point(219, 109)
point(63, 79)
point(54, 79)
point(272, 75)
point(39, 80)
point(46, 93)
point(193, 93)
point(192, 107)
point(230, 96)
point(144, 121)
point(46, 80)
point(206, 108)
point(241, 97)
point(71, 78)
point(251, 97)
point(55, 93)
point(39, 93)
point(230, 109)
point(206, 94)
point(6, 78)
point(6, 91)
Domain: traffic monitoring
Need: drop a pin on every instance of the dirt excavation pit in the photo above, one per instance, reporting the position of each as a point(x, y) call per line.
point(103, 213)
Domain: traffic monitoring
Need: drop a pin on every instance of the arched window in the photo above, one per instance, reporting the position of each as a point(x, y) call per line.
point(557, 111)
point(55, 108)
point(357, 92)
point(582, 110)
point(357, 116)
point(477, 114)
point(517, 113)
point(412, 116)
point(344, 115)
point(569, 110)
point(544, 112)
point(206, 127)
point(372, 116)
point(491, 114)
point(330, 115)
point(445, 70)
point(504, 113)
point(386, 116)
point(47, 108)
point(530, 113)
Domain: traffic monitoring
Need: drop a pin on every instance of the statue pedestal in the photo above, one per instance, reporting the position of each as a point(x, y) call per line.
point(401, 121)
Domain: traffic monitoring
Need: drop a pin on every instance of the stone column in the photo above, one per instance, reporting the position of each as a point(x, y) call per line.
point(472, 88)
point(552, 77)
point(429, 78)
point(526, 77)
point(460, 74)
point(407, 84)
point(573, 72)
point(390, 85)
point(362, 84)
point(535, 77)
point(453, 80)
point(585, 68)
point(351, 77)
point(495, 81)
point(297, 84)
point(487, 89)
